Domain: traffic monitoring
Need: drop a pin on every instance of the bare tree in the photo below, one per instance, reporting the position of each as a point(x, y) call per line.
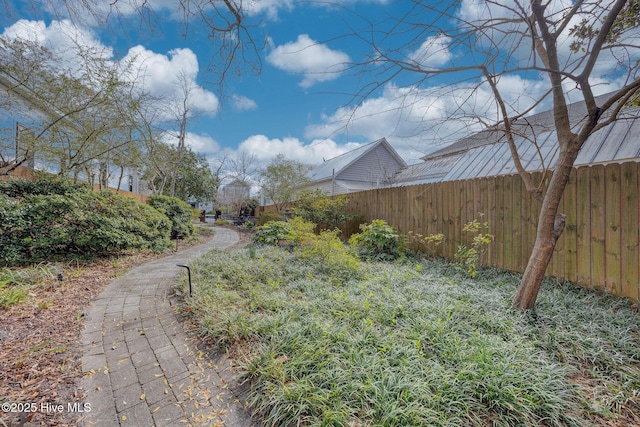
point(243, 166)
point(75, 117)
point(562, 47)
point(183, 111)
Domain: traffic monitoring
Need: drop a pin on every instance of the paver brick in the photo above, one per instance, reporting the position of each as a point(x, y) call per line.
point(139, 367)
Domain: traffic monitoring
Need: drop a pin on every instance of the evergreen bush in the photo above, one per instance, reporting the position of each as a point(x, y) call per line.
point(77, 224)
point(269, 216)
point(179, 213)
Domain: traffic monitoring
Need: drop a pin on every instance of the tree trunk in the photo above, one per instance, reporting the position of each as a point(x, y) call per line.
point(550, 226)
point(546, 239)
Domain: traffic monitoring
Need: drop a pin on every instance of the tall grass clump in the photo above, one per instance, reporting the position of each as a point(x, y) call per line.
point(16, 284)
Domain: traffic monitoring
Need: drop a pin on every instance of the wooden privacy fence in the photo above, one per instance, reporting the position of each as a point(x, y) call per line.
point(598, 248)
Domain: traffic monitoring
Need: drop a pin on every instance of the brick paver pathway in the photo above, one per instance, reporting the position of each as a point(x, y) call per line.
point(139, 366)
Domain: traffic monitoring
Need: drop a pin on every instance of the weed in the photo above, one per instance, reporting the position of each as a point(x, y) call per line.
point(429, 243)
point(469, 256)
point(12, 295)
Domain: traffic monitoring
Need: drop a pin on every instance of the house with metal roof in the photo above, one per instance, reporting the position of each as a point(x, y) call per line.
point(487, 153)
point(373, 165)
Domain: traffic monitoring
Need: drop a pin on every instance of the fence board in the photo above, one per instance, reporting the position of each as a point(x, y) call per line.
point(598, 225)
point(612, 230)
point(441, 192)
point(599, 246)
point(570, 229)
point(583, 226)
point(500, 224)
point(629, 276)
point(517, 226)
point(454, 215)
point(484, 208)
point(494, 225)
point(508, 222)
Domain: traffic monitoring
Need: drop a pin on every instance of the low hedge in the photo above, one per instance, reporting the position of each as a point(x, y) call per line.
point(73, 222)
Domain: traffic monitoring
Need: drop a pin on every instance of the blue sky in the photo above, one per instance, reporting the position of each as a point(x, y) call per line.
point(301, 104)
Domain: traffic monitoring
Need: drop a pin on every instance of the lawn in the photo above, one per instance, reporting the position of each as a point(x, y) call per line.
point(416, 342)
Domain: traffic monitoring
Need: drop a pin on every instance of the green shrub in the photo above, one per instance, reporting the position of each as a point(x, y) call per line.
point(78, 225)
point(300, 230)
point(329, 255)
point(268, 216)
point(45, 186)
point(378, 241)
point(179, 213)
point(323, 210)
point(272, 233)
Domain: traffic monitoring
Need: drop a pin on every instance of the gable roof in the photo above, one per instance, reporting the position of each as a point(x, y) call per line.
point(333, 167)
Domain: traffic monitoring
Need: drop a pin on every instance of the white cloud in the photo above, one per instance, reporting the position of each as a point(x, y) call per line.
point(269, 7)
point(67, 43)
point(202, 144)
point(433, 52)
point(315, 61)
point(265, 149)
point(161, 76)
point(242, 103)
point(418, 120)
point(158, 74)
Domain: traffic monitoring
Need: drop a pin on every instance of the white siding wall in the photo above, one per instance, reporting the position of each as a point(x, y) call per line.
point(377, 166)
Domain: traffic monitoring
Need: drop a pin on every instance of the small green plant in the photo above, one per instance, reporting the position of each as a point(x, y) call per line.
point(252, 250)
point(12, 295)
point(429, 242)
point(272, 233)
point(378, 241)
point(15, 284)
point(469, 256)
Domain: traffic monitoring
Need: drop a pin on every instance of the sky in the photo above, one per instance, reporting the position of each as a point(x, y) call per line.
point(305, 100)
